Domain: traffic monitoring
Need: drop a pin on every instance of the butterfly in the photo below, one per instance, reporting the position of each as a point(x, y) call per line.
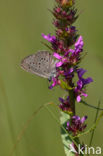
point(41, 64)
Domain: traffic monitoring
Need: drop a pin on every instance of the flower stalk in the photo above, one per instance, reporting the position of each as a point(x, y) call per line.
point(67, 47)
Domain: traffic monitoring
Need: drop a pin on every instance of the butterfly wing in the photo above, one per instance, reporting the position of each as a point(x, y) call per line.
point(40, 64)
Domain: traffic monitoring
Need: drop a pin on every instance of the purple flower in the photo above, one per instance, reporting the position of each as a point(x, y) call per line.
point(56, 44)
point(83, 119)
point(71, 51)
point(67, 61)
point(49, 38)
point(78, 46)
point(61, 58)
point(75, 53)
point(81, 72)
point(69, 73)
point(76, 125)
point(81, 84)
point(65, 104)
point(57, 10)
point(73, 29)
point(56, 81)
point(79, 93)
point(52, 40)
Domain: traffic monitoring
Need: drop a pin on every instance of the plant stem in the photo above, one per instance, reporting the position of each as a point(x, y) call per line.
point(72, 101)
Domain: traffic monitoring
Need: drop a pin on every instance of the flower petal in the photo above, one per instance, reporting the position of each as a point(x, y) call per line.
point(83, 119)
point(68, 124)
point(48, 37)
point(78, 98)
point(87, 81)
point(59, 64)
point(71, 50)
point(56, 55)
point(61, 100)
point(80, 42)
point(79, 84)
point(81, 72)
point(76, 117)
point(84, 94)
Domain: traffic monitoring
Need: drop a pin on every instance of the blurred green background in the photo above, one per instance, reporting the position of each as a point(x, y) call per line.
point(21, 25)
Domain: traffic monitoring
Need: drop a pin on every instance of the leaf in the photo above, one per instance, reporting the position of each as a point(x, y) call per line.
point(65, 138)
point(64, 85)
point(91, 106)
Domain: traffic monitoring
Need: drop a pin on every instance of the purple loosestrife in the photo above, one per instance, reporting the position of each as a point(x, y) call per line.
point(68, 59)
point(79, 91)
point(65, 104)
point(67, 46)
point(77, 125)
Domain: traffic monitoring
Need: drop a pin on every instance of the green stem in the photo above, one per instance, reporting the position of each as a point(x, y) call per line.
point(52, 114)
point(76, 141)
point(72, 101)
point(91, 139)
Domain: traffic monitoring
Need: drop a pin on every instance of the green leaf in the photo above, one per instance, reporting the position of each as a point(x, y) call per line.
point(65, 138)
point(64, 85)
point(91, 106)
